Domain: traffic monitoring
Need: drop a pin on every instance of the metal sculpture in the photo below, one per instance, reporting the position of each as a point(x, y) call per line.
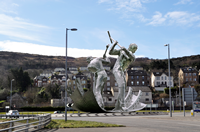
point(96, 66)
point(92, 101)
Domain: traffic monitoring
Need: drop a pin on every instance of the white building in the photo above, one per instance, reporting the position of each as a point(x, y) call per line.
point(160, 80)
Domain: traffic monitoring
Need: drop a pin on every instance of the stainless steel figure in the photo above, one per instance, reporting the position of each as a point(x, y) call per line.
point(96, 66)
point(125, 58)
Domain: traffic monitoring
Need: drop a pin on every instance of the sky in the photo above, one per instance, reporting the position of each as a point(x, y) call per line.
point(39, 27)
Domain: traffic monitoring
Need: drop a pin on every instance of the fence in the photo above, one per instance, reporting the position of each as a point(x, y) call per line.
point(38, 121)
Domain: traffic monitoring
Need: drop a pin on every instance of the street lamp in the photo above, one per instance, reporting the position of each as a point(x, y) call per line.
point(169, 81)
point(179, 93)
point(73, 29)
point(11, 93)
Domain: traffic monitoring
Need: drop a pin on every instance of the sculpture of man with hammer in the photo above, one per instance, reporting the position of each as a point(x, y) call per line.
point(96, 66)
point(125, 58)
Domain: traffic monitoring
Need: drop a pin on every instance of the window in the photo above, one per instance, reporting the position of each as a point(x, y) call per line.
point(194, 74)
point(137, 77)
point(147, 94)
point(69, 83)
point(142, 82)
point(146, 99)
point(137, 82)
point(131, 77)
point(73, 82)
point(109, 99)
point(194, 79)
point(189, 74)
point(108, 89)
point(142, 77)
point(131, 82)
point(83, 82)
point(108, 83)
point(165, 78)
point(116, 84)
point(108, 78)
point(185, 74)
point(186, 79)
point(158, 83)
point(74, 87)
point(161, 78)
point(157, 78)
point(190, 79)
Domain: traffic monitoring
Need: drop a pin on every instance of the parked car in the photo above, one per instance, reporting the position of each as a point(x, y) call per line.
point(197, 107)
point(13, 113)
point(58, 112)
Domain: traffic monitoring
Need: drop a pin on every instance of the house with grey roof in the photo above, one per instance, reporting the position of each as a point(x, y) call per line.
point(188, 76)
point(40, 81)
point(161, 80)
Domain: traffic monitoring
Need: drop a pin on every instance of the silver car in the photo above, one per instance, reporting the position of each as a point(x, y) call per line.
point(13, 113)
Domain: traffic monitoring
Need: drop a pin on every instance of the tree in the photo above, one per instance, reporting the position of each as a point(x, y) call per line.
point(53, 90)
point(197, 88)
point(173, 91)
point(22, 79)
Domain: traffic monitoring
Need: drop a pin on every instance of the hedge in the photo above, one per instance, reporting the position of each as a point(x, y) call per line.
point(49, 108)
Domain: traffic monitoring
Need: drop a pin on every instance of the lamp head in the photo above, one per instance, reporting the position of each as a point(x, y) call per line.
point(166, 44)
point(73, 29)
point(13, 79)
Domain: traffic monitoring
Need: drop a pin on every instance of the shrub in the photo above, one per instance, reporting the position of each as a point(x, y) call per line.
point(49, 108)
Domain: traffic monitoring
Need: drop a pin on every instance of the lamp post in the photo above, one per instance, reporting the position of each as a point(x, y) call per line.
point(11, 93)
point(179, 93)
point(73, 29)
point(169, 81)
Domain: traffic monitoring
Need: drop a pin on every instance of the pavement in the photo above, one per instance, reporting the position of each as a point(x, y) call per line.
point(150, 123)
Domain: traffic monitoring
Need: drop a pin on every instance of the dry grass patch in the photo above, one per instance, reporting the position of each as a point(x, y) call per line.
point(78, 124)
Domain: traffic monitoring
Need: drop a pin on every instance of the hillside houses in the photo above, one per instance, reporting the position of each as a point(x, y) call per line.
point(136, 78)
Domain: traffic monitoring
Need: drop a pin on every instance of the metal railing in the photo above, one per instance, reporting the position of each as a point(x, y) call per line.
point(37, 123)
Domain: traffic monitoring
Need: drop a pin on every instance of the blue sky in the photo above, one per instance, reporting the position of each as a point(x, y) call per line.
point(39, 26)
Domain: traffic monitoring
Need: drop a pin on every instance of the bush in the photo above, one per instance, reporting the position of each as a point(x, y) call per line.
point(49, 108)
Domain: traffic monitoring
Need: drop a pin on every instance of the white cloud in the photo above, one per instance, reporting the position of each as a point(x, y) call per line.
point(104, 1)
point(128, 8)
point(184, 2)
point(126, 5)
point(8, 6)
point(31, 48)
point(157, 19)
point(20, 28)
point(176, 17)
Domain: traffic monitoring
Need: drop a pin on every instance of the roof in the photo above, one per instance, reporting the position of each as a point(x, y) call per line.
point(40, 77)
point(142, 88)
point(59, 69)
point(135, 89)
point(136, 72)
point(160, 73)
point(189, 70)
point(57, 76)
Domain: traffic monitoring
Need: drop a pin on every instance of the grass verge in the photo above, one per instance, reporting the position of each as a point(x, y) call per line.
point(78, 124)
point(3, 126)
point(40, 112)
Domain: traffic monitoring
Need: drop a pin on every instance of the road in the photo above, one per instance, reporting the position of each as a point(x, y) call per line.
point(155, 123)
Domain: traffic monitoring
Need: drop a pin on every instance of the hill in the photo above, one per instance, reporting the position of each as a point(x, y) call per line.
point(35, 64)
